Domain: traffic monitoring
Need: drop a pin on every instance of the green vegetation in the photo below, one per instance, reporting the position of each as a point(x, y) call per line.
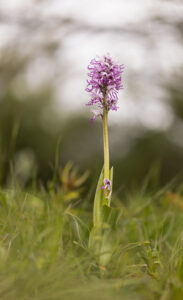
point(44, 252)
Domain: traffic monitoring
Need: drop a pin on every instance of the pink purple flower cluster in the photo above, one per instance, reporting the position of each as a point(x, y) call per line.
point(103, 84)
point(107, 186)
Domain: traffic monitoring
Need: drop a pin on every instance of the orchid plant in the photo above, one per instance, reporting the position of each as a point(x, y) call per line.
point(103, 84)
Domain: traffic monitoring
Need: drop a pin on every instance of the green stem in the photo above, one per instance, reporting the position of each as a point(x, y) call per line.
point(106, 140)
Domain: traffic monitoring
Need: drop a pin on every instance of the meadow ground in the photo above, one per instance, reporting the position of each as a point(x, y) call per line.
point(44, 253)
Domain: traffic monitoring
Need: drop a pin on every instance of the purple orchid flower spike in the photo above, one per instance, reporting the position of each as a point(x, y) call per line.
point(103, 84)
point(105, 77)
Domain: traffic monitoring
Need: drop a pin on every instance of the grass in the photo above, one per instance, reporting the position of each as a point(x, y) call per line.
point(44, 253)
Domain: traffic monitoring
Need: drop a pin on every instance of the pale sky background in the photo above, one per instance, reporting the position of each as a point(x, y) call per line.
point(130, 30)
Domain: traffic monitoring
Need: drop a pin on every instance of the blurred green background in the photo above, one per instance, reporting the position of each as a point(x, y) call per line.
point(33, 124)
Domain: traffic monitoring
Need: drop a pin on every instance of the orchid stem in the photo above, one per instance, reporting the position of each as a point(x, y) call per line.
point(106, 140)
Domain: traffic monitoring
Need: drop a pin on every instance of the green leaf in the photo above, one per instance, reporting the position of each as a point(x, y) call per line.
point(98, 202)
point(110, 215)
point(111, 179)
point(101, 239)
point(95, 233)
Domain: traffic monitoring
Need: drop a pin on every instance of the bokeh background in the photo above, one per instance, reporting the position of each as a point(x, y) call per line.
point(45, 47)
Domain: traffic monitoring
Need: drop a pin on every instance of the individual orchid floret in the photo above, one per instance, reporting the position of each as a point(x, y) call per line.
point(107, 186)
point(96, 113)
point(105, 80)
